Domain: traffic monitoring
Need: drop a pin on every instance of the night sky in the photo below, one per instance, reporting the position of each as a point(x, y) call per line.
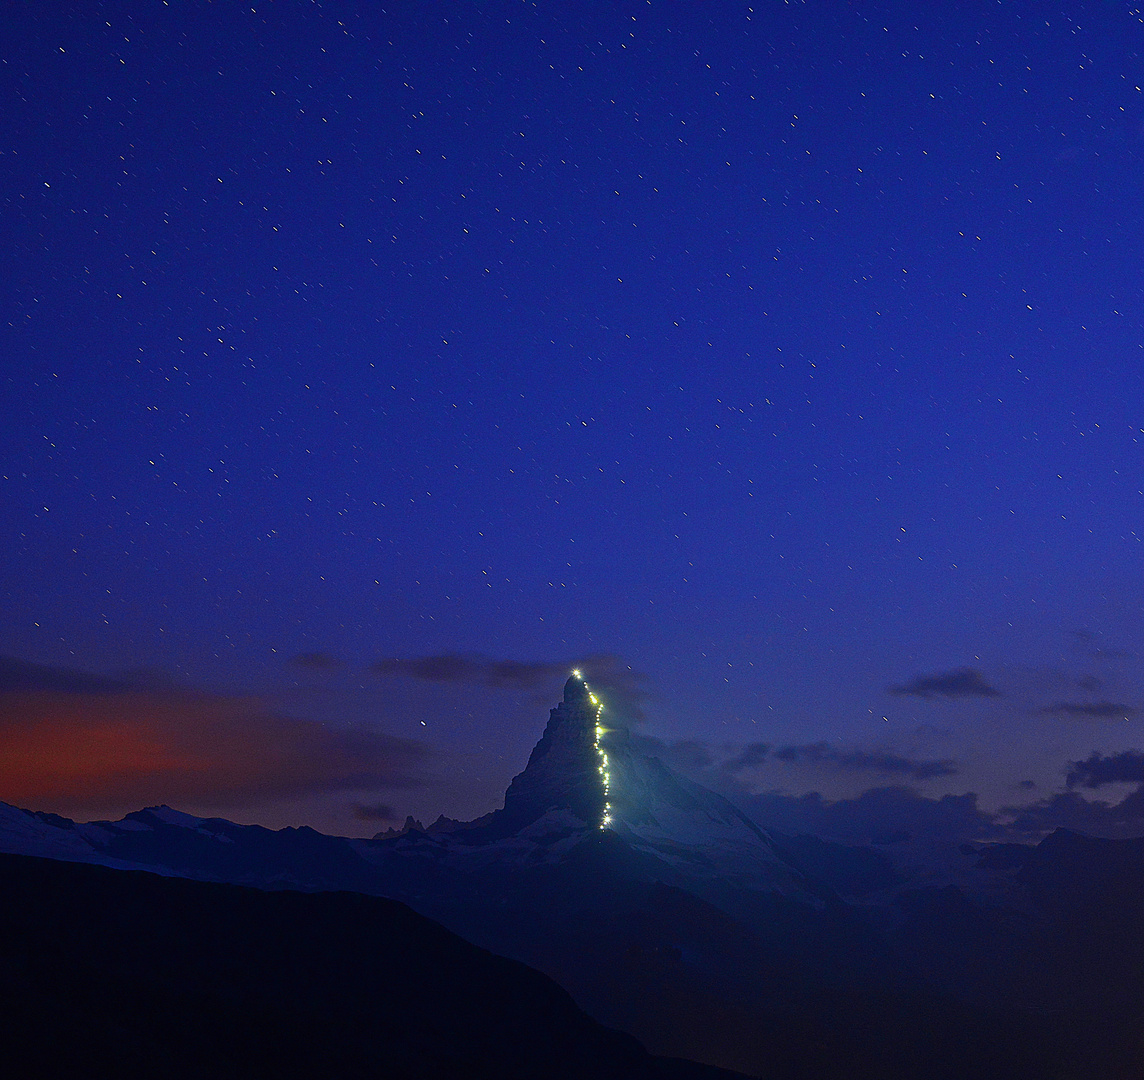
point(365, 367)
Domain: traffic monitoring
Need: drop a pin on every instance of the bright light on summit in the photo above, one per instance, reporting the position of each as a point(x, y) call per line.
point(605, 775)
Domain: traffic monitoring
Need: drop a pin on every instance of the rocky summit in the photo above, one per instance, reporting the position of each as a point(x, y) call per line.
point(565, 768)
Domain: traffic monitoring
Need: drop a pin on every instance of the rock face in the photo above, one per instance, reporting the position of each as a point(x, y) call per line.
point(563, 771)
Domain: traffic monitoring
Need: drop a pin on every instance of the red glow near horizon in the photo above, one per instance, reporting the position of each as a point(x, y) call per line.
point(93, 753)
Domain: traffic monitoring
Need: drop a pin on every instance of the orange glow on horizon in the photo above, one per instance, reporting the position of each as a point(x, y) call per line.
point(87, 754)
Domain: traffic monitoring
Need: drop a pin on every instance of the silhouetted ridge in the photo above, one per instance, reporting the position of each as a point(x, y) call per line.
point(127, 975)
point(576, 692)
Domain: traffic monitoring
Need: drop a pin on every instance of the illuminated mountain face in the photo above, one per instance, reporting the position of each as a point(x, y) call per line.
point(583, 772)
point(605, 765)
point(567, 769)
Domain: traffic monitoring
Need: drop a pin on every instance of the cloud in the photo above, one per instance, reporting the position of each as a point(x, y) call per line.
point(1097, 710)
point(863, 761)
point(962, 682)
point(89, 752)
point(748, 757)
point(621, 687)
point(1096, 770)
point(1089, 682)
point(822, 753)
point(473, 668)
point(879, 815)
point(1096, 817)
point(1070, 810)
point(314, 661)
point(19, 675)
point(891, 813)
point(688, 756)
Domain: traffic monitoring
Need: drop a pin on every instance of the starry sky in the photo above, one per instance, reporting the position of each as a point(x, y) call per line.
point(365, 367)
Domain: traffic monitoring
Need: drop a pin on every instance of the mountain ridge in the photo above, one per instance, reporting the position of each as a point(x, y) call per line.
point(648, 896)
point(165, 976)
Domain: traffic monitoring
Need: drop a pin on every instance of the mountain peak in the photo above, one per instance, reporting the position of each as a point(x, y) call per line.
point(576, 690)
point(583, 776)
point(565, 768)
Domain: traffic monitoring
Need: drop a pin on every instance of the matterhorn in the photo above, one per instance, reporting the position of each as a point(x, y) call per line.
point(587, 793)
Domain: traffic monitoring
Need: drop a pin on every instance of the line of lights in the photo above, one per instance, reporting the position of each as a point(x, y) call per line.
point(600, 731)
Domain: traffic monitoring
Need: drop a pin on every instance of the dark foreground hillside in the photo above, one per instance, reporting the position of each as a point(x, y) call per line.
point(111, 973)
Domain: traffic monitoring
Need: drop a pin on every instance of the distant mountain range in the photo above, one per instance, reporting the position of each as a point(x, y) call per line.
point(670, 915)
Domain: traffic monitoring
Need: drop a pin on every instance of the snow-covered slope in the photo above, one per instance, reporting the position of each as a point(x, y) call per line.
point(28, 832)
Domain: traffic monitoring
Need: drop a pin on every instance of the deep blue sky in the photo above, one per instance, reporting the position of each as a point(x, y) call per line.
point(783, 354)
